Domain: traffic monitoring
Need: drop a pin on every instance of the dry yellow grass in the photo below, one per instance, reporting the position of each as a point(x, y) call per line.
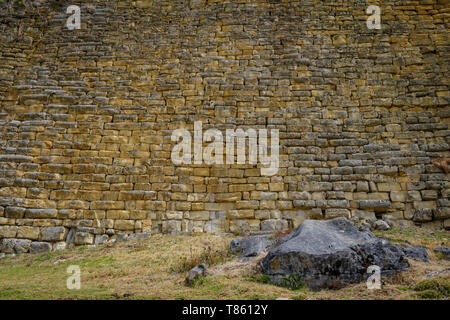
point(155, 268)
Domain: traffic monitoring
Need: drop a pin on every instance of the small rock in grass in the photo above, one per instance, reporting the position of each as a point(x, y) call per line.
point(135, 236)
point(381, 225)
point(445, 251)
point(196, 273)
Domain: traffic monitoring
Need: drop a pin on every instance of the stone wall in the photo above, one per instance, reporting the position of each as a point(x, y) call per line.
point(87, 115)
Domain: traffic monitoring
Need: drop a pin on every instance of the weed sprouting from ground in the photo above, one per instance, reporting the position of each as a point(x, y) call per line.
point(292, 282)
point(261, 278)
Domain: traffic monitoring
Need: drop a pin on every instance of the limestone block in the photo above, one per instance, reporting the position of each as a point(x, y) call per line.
point(53, 234)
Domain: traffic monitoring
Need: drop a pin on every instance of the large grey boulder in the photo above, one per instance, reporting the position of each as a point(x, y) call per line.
point(331, 254)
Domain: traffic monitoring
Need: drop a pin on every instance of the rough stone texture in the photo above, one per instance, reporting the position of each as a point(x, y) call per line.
point(381, 225)
point(61, 245)
point(53, 233)
point(196, 273)
point(251, 246)
point(136, 236)
point(331, 254)
point(86, 115)
point(40, 247)
point(15, 245)
point(418, 253)
point(101, 238)
point(445, 251)
point(83, 238)
point(434, 274)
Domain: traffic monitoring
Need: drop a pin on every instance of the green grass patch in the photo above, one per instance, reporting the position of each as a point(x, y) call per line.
point(433, 288)
point(261, 278)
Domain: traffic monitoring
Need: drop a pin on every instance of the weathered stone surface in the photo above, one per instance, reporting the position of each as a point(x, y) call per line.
point(40, 213)
point(434, 274)
point(25, 232)
point(15, 245)
point(15, 212)
point(327, 254)
point(101, 238)
point(53, 234)
point(441, 213)
point(120, 237)
point(136, 236)
point(273, 225)
point(40, 247)
point(251, 246)
point(418, 253)
point(70, 238)
point(83, 238)
point(423, 215)
point(8, 231)
point(374, 204)
point(124, 225)
point(61, 245)
point(445, 251)
point(196, 273)
point(381, 225)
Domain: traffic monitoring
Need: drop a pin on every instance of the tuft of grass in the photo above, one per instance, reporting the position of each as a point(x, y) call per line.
point(300, 297)
point(429, 294)
point(293, 282)
point(44, 257)
point(261, 278)
point(433, 288)
point(200, 281)
point(440, 255)
point(211, 254)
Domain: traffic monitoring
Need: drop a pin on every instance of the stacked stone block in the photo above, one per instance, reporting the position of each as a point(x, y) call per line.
point(86, 116)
